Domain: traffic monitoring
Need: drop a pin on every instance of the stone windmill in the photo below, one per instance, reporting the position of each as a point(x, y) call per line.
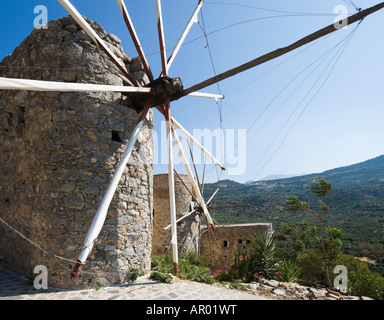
point(159, 93)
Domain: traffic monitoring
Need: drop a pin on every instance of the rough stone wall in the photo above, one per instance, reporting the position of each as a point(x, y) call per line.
point(187, 229)
point(58, 152)
point(230, 239)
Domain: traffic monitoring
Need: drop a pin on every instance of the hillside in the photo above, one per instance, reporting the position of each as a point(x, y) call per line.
point(365, 172)
point(357, 204)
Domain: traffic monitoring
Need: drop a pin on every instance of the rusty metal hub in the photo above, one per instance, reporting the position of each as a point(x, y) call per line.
point(167, 89)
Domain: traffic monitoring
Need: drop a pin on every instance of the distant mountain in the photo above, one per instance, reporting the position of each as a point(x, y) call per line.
point(227, 183)
point(357, 204)
point(280, 176)
point(367, 171)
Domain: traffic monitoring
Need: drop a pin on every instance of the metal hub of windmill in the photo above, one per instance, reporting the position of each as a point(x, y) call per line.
point(164, 89)
point(158, 93)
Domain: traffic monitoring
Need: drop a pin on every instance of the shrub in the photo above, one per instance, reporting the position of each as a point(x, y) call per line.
point(235, 284)
point(366, 284)
point(195, 273)
point(241, 269)
point(288, 271)
point(191, 267)
point(135, 273)
point(161, 276)
point(362, 281)
point(306, 247)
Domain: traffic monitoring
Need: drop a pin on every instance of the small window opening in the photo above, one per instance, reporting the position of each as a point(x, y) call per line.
point(240, 241)
point(116, 136)
point(225, 244)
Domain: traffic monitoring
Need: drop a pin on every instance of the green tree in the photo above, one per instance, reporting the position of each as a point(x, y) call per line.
point(329, 239)
point(361, 281)
point(305, 247)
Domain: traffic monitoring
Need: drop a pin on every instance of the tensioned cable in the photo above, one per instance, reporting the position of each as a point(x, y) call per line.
point(203, 29)
point(278, 65)
point(219, 101)
point(244, 22)
point(263, 74)
point(326, 54)
point(282, 90)
point(267, 107)
point(339, 53)
point(267, 9)
point(350, 2)
point(290, 129)
point(293, 92)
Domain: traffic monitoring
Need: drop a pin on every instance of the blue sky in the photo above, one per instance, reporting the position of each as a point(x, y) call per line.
point(311, 110)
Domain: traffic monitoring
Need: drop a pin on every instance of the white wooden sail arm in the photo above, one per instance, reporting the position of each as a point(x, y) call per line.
point(172, 199)
point(95, 37)
point(206, 95)
point(183, 130)
point(101, 214)
point(196, 188)
point(185, 33)
point(193, 211)
point(40, 85)
point(160, 29)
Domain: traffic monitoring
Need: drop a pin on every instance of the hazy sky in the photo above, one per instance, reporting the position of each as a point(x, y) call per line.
point(317, 108)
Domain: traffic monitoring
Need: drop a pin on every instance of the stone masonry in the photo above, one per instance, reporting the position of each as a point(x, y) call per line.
point(58, 152)
point(221, 246)
point(187, 229)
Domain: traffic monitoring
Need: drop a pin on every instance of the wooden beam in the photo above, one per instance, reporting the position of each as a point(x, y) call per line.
point(279, 52)
point(160, 30)
point(135, 38)
point(95, 37)
point(185, 33)
point(172, 196)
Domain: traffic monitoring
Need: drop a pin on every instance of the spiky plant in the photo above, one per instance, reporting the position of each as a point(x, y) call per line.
point(288, 271)
point(263, 254)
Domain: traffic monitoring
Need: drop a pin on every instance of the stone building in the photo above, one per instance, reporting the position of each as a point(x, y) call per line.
point(187, 230)
point(219, 248)
point(229, 239)
point(58, 152)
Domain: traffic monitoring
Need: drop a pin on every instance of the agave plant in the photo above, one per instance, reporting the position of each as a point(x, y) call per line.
point(263, 254)
point(288, 271)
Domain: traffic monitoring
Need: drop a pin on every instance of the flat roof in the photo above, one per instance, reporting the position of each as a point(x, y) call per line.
point(239, 225)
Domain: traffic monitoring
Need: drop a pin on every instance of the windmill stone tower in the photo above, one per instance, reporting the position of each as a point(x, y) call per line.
point(58, 152)
point(188, 230)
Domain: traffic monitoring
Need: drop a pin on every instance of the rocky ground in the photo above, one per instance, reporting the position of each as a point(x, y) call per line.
point(293, 291)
